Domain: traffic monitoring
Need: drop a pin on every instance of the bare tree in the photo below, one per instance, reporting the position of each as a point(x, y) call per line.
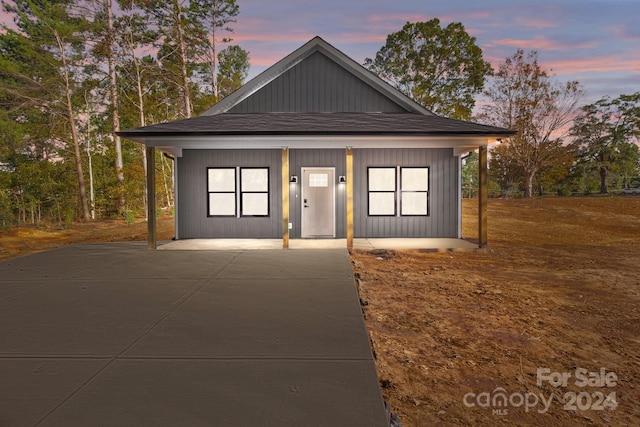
point(525, 98)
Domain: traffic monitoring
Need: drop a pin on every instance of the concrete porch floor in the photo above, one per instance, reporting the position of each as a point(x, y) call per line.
point(359, 244)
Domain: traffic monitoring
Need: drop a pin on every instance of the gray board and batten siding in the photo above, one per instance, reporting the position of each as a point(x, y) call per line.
point(317, 85)
point(442, 221)
point(193, 219)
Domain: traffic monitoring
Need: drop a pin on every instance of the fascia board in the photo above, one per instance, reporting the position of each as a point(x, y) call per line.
point(460, 144)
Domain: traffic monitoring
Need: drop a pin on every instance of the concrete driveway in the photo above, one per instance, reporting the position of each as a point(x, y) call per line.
point(116, 335)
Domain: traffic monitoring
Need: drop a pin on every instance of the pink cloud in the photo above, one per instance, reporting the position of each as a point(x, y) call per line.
point(533, 23)
point(273, 38)
point(280, 46)
point(593, 64)
point(627, 32)
point(543, 43)
point(394, 21)
point(600, 64)
point(396, 17)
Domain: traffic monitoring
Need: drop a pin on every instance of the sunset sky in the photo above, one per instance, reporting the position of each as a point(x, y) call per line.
point(596, 42)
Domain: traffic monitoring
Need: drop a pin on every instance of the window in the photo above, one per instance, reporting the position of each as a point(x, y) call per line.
point(318, 180)
point(382, 191)
point(221, 187)
point(412, 197)
point(414, 188)
point(223, 191)
point(254, 188)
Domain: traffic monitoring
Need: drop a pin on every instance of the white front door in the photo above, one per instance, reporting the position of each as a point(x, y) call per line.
point(318, 202)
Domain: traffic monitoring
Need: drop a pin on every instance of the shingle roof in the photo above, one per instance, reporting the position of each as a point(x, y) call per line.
point(227, 124)
point(218, 121)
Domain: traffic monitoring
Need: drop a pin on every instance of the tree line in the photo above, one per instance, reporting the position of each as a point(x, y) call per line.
point(75, 72)
point(561, 147)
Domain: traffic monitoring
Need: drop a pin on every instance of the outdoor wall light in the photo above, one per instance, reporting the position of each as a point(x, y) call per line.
point(342, 179)
point(293, 179)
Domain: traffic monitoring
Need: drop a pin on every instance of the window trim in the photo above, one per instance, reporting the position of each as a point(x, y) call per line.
point(267, 192)
point(394, 192)
point(235, 193)
point(399, 192)
point(427, 192)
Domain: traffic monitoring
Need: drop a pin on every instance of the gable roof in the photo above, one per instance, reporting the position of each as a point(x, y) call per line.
point(222, 125)
point(316, 45)
point(317, 84)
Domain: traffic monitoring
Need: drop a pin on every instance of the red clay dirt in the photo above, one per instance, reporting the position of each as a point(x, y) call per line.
point(25, 240)
point(459, 337)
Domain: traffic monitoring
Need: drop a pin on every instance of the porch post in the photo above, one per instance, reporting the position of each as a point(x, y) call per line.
point(151, 197)
point(285, 197)
point(482, 196)
point(349, 198)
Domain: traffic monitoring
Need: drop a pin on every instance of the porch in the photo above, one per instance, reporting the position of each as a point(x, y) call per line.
point(358, 244)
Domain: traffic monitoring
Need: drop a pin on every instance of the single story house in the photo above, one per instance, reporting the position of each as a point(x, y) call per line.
point(316, 147)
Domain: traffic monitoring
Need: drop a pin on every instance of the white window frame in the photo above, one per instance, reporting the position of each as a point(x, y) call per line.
point(251, 190)
point(224, 190)
point(407, 195)
point(413, 189)
point(380, 192)
point(239, 194)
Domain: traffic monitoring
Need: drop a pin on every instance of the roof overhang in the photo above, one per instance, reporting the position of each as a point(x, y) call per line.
point(324, 127)
point(175, 146)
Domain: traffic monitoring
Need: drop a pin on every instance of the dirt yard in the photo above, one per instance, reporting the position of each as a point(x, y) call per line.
point(26, 240)
point(460, 337)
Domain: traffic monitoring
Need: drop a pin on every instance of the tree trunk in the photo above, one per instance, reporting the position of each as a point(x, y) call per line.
point(603, 180)
point(528, 184)
point(92, 193)
point(92, 196)
point(115, 107)
point(74, 131)
point(76, 150)
point(182, 53)
point(143, 122)
point(167, 191)
point(214, 60)
point(141, 111)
